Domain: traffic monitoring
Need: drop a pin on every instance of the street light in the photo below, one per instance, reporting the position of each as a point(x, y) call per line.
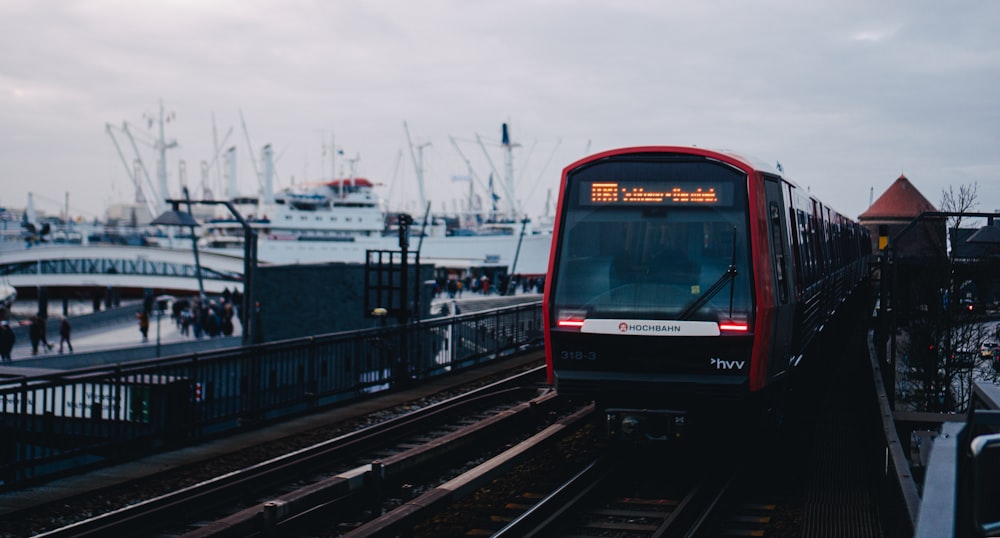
point(161, 305)
point(175, 217)
point(185, 220)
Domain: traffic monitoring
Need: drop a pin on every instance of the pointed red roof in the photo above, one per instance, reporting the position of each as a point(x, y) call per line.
point(901, 200)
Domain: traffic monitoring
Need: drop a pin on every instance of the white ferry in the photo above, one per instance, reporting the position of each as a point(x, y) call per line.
point(339, 220)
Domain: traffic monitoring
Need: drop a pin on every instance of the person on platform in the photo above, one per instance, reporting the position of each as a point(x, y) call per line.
point(35, 333)
point(227, 319)
point(42, 326)
point(7, 339)
point(64, 330)
point(186, 322)
point(143, 324)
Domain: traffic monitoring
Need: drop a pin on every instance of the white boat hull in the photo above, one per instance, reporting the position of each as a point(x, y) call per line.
point(453, 251)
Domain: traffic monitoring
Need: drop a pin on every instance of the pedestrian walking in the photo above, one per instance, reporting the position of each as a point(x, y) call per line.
point(35, 333)
point(7, 339)
point(227, 320)
point(186, 322)
point(43, 325)
point(210, 321)
point(64, 330)
point(143, 324)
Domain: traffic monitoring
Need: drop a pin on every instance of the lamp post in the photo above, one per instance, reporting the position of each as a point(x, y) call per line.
point(517, 253)
point(161, 305)
point(175, 217)
point(194, 246)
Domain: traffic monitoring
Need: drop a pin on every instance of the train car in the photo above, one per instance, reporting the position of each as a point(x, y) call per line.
point(684, 281)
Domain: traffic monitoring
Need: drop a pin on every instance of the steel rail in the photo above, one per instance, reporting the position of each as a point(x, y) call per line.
point(292, 507)
point(402, 518)
point(689, 517)
point(540, 518)
point(207, 495)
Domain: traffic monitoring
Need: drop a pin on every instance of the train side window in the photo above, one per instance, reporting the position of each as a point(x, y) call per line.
point(815, 247)
point(808, 259)
point(795, 245)
point(778, 244)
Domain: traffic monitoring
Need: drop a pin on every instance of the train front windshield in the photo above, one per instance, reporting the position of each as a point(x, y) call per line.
point(654, 237)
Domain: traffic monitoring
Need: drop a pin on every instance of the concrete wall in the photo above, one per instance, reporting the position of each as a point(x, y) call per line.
point(305, 300)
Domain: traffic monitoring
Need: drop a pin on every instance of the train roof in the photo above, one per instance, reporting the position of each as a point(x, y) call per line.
point(726, 155)
point(735, 158)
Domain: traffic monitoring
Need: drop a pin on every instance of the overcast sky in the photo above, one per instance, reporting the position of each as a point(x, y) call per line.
point(845, 94)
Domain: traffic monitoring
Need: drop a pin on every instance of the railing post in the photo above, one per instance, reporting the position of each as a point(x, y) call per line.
point(118, 427)
point(312, 389)
point(197, 396)
point(23, 463)
point(496, 335)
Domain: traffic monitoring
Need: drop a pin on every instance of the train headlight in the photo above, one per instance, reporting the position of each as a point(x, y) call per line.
point(734, 326)
point(572, 319)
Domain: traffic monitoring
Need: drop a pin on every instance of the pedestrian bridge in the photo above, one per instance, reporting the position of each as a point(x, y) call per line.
point(120, 267)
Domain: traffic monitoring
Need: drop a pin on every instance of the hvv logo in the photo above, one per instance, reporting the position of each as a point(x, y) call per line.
point(726, 365)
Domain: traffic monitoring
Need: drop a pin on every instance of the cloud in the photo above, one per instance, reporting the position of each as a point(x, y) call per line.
point(844, 94)
point(874, 35)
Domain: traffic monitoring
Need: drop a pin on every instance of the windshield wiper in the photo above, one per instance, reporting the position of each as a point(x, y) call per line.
point(727, 278)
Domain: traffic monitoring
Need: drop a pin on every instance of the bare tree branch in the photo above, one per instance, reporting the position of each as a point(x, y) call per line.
point(965, 200)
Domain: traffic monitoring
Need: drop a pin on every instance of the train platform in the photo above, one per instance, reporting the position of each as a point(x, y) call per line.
point(112, 336)
point(92, 332)
point(110, 343)
point(55, 490)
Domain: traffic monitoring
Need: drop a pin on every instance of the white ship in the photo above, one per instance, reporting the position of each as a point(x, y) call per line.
point(340, 220)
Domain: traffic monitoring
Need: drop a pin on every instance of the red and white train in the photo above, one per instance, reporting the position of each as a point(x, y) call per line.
point(684, 280)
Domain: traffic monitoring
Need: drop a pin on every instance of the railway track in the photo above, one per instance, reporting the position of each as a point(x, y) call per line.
point(595, 502)
point(614, 497)
point(288, 488)
point(404, 518)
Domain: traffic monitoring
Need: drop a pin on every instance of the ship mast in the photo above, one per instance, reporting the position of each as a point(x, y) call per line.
point(162, 146)
point(333, 164)
point(418, 163)
point(152, 203)
point(268, 157)
point(232, 190)
point(158, 190)
point(506, 179)
point(509, 171)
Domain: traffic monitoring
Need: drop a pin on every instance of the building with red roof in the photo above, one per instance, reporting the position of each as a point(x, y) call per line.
point(898, 206)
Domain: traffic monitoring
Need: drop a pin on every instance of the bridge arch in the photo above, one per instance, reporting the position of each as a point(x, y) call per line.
point(123, 267)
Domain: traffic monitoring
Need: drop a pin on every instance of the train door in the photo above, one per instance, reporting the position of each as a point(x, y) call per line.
point(781, 263)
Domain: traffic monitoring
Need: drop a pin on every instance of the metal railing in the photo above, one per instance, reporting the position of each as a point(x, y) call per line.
point(899, 500)
point(961, 490)
point(56, 423)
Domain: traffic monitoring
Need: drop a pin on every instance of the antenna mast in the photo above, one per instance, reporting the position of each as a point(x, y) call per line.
point(152, 205)
point(162, 146)
point(418, 164)
point(253, 161)
point(509, 168)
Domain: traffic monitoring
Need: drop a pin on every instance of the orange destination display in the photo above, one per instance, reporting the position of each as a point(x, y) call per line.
point(654, 193)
